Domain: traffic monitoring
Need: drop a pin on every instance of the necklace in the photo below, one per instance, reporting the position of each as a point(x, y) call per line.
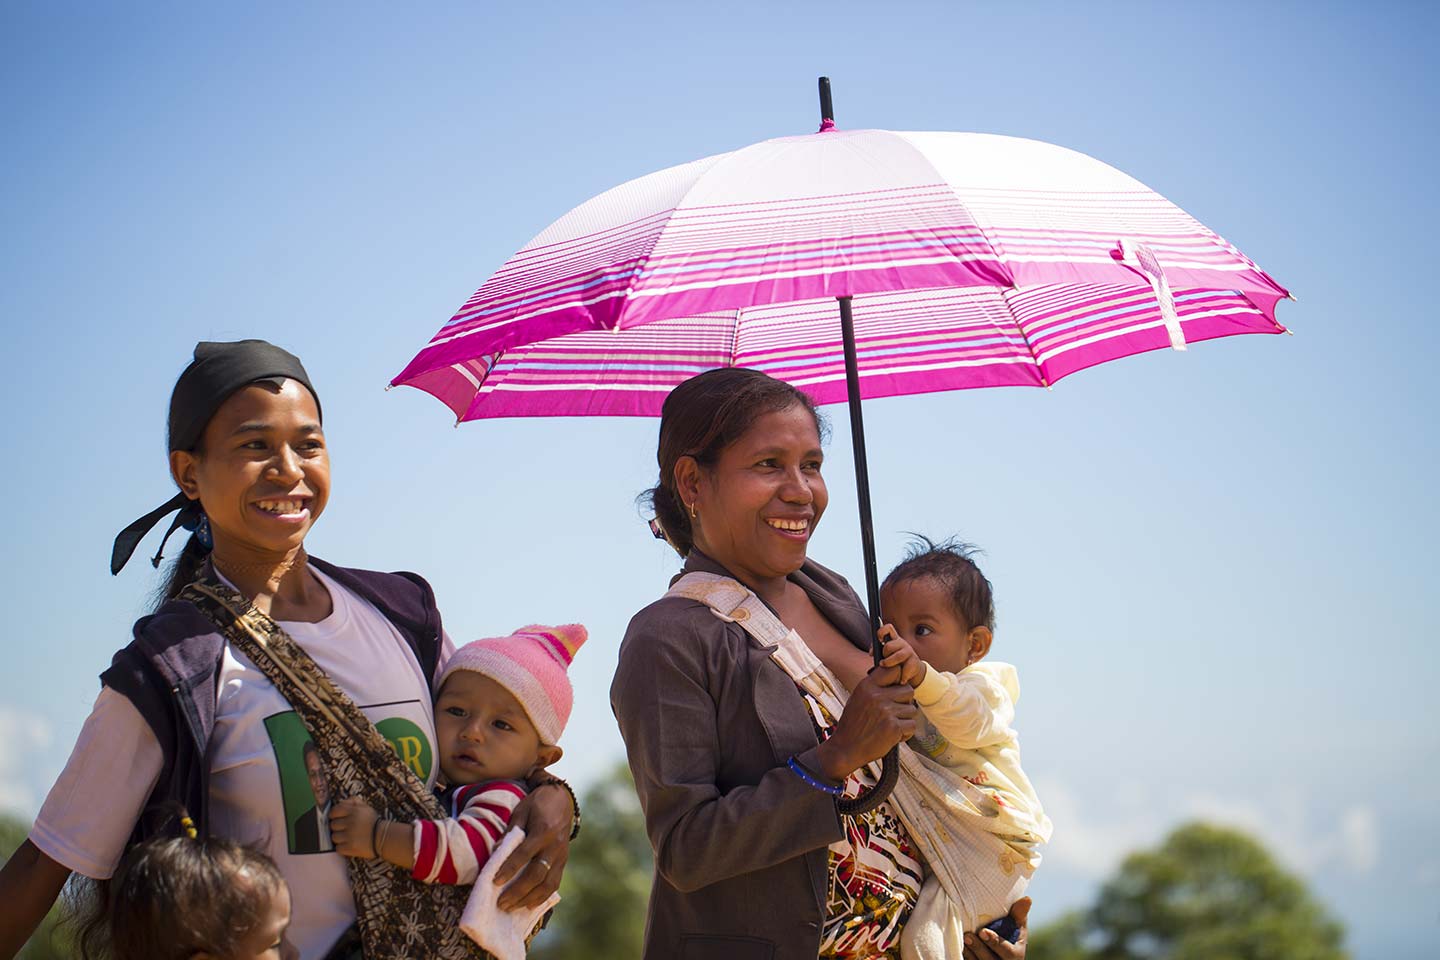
point(275, 570)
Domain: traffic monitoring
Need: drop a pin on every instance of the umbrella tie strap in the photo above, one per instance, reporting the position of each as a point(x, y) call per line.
point(1140, 257)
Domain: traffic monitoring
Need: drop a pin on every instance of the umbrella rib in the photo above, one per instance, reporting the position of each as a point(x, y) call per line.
point(735, 339)
point(1005, 295)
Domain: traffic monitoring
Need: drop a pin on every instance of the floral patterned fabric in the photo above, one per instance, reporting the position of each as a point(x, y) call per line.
point(875, 872)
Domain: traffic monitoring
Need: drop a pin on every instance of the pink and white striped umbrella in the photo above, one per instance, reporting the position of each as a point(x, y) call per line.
point(974, 260)
point(957, 260)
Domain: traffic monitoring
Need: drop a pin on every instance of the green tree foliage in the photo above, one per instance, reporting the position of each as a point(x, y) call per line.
point(47, 943)
point(1206, 893)
point(606, 885)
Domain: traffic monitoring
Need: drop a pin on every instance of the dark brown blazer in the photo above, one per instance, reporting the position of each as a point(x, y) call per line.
point(709, 721)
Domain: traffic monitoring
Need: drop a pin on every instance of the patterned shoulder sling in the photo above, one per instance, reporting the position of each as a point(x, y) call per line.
point(399, 918)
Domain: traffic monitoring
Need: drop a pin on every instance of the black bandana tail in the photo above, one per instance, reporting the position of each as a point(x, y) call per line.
point(129, 538)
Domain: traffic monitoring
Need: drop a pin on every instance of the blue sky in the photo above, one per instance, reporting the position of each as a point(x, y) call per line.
point(1213, 569)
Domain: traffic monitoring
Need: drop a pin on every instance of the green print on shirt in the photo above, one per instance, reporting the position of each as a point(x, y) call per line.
point(409, 742)
point(304, 789)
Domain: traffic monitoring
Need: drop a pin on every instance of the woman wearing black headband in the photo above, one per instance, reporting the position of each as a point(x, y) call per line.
point(266, 685)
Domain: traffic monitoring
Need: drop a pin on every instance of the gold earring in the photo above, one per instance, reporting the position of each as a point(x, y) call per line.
point(693, 514)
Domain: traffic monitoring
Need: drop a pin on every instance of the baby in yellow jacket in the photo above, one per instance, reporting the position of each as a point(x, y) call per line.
point(940, 620)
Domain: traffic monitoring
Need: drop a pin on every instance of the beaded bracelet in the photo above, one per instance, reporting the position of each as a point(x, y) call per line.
point(574, 803)
point(800, 771)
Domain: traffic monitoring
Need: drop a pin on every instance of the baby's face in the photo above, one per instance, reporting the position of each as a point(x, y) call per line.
point(483, 731)
point(923, 613)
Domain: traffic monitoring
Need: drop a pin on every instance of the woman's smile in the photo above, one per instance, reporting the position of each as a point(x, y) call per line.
point(791, 528)
point(286, 510)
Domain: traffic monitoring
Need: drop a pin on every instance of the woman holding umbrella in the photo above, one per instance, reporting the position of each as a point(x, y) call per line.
point(738, 768)
point(255, 693)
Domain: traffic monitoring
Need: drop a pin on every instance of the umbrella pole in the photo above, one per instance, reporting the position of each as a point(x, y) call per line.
point(857, 437)
point(862, 476)
point(890, 768)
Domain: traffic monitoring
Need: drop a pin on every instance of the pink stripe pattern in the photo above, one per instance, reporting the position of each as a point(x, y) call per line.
point(973, 260)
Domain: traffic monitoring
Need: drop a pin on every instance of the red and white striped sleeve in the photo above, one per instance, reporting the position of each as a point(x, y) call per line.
point(454, 850)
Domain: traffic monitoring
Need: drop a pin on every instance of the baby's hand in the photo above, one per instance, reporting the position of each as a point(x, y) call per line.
point(900, 654)
point(352, 828)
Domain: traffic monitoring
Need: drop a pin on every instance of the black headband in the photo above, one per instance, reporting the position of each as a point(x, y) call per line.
point(218, 370)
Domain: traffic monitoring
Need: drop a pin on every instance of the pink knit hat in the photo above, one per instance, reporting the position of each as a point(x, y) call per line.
point(532, 664)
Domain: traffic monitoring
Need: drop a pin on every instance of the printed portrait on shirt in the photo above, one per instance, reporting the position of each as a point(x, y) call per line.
point(306, 789)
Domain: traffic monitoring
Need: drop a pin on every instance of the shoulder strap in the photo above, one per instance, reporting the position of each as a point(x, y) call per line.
point(733, 602)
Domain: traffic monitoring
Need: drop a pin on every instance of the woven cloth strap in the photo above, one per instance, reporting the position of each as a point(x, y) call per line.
point(930, 800)
point(399, 917)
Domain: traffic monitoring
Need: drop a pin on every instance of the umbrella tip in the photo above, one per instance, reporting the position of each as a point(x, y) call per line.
point(827, 107)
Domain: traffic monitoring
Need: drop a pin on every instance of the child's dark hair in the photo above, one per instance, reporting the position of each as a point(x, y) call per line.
point(173, 897)
point(951, 563)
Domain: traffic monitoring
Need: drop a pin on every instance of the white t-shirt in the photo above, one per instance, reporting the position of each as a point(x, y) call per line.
point(261, 791)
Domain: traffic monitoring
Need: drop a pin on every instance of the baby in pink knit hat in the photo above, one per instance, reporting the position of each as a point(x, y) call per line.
point(500, 707)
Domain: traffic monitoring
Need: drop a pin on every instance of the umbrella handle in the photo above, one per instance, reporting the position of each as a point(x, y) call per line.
point(890, 769)
point(876, 795)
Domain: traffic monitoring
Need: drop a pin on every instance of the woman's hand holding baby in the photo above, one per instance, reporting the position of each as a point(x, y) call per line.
point(546, 816)
point(989, 945)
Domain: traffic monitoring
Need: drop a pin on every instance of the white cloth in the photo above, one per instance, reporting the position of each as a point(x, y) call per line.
point(258, 789)
point(501, 932)
point(967, 729)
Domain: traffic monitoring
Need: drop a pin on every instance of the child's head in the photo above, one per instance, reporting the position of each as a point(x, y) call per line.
point(179, 898)
point(503, 703)
point(939, 601)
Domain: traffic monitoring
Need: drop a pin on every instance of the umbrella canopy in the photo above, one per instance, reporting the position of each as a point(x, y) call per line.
point(910, 342)
point(1040, 260)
